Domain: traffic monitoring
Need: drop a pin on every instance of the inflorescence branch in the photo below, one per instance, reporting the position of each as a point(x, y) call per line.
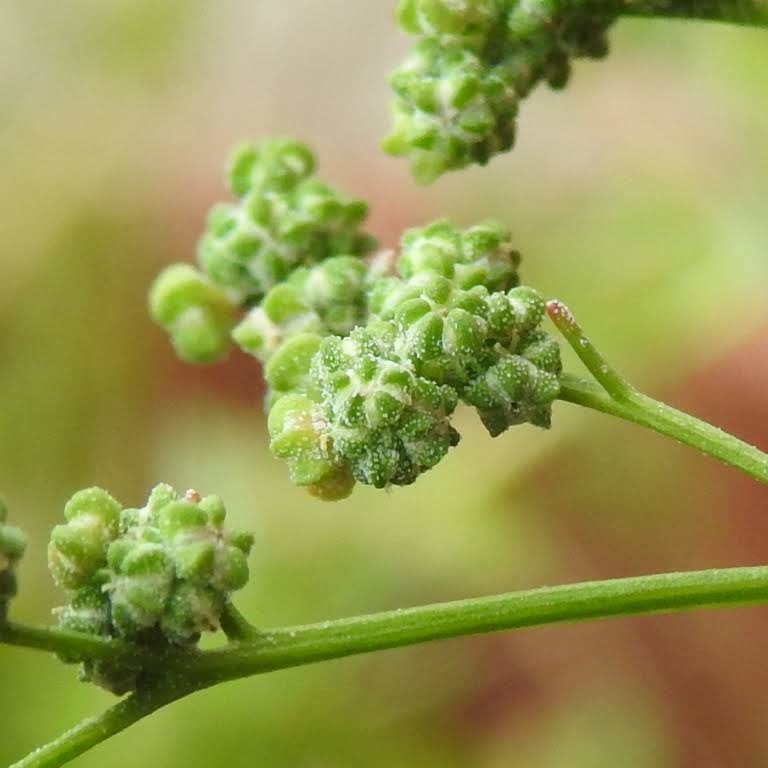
point(457, 94)
point(275, 649)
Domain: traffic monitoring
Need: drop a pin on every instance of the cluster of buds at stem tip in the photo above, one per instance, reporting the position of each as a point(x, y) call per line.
point(285, 219)
point(159, 575)
point(457, 92)
point(13, 542)
point(367, 359)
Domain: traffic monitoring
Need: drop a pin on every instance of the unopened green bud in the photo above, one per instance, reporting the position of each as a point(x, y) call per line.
point(197, 314)
point(297, 431)
point(288, 369)
point(480, 256)
point(78, 549)
point(13, 543)
point(281, 315)
point(191, 610)
point(513, 391)
point(274, 164)
point(140, 589)
point(88, 611)
point(470, 20)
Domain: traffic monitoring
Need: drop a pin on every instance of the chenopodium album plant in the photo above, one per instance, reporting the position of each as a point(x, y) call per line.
point(366, 356)
point(366, 360)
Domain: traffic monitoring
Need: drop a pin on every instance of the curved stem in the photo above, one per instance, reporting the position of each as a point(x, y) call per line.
point(747, 12)
point(295, 646)
point(668, 421)
point(616, 397)
point(74, 645)
point(94, 730)
point(271, 650)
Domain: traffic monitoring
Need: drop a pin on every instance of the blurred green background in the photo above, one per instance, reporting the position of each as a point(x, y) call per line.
point(638, 195)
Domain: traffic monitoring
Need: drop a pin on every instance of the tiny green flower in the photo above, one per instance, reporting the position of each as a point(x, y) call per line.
point(13, 543)
point(78, 550)
point(197, 314)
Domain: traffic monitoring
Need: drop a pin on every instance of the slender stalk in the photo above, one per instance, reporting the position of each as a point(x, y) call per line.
point(94, 730)
point(746, 12)
point(235, 626)
point(75, 645)
point(616, 397)
point(296, 646)
point(668, 421)
point(614, 384)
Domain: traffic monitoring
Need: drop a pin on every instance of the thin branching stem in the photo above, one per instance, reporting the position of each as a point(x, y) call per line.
point(74, 645)
point(617, 397)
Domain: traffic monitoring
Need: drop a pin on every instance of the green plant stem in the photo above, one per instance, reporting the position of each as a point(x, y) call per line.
point(617, 397)
point(95, 730)
point(746, 12)
point(668, 421)
point(277, 649)
point(235, 626)
point(75, 645)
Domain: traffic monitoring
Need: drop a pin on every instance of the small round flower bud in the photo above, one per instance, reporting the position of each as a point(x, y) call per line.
point(88, 611)
point(13, 543)
point(197, 314)
point(274, 164)
point(482, 255)
point(468, 20)
point(78, 549)
point(281, 315)
point(288, 369)
point(191, 611)
point(297, 428)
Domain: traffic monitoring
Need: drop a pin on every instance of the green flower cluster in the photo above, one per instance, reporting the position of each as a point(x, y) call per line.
point(365, 360)
point(13, 542)
point(457, 93)
point(453, 326)
point(329, 298)
point(285, 222)
point(157, 575)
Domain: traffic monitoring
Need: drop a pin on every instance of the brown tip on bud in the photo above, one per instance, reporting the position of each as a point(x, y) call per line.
point(559, 313)
point(192, 495)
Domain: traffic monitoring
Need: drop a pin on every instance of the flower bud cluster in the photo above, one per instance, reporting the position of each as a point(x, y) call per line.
point(457, 93)
point(13, 542)
point(285, 218)
point(157, 575)
point(365, 360)
point(285, 224)
point(329, 298)
point(375, 406)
